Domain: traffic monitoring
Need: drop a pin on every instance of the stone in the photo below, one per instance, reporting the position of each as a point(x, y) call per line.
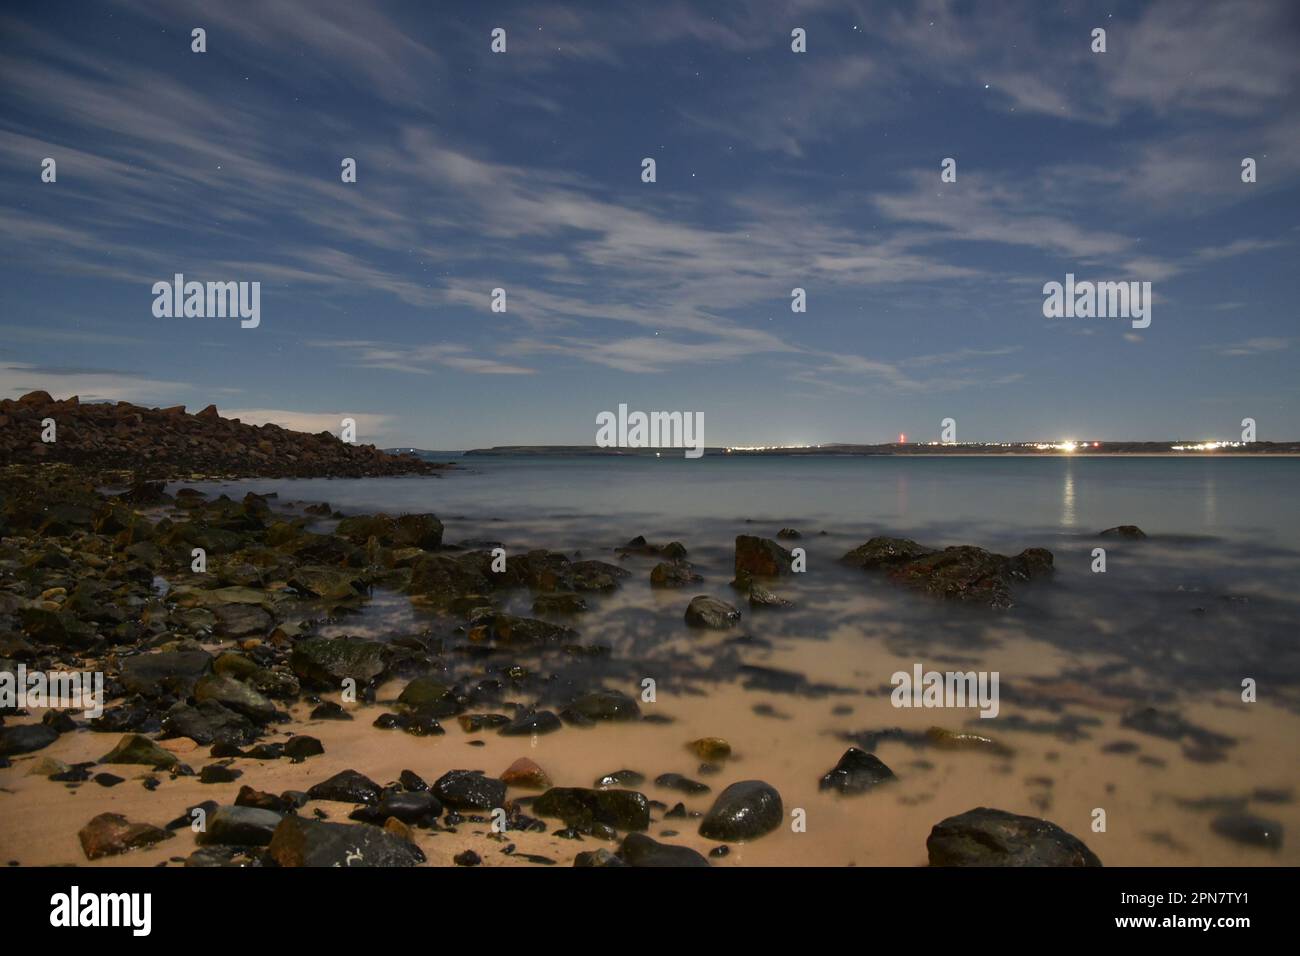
point(988, 837)
point(581, 807)
point(857, 772)
point(299, 842)
point(744, 811)
point(710, 613)
point(111, 833)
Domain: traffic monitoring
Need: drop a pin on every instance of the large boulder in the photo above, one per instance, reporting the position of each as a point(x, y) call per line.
point(299, 842)
point(987, 837)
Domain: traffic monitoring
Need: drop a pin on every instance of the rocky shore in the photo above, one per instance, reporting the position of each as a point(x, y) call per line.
point(262, 733)
point(160, 443)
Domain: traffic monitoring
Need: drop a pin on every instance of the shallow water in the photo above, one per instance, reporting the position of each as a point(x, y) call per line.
point(1177, 621)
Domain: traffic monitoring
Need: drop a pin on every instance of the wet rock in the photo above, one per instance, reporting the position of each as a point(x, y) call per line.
point(598, 857)
point(133, 748)
point(943, 739)
point(300, 747)
point(473, 723)
point(239, 826)
point(209, 723)
point(329, 710)
point(857, 772)
point(325, 662)
point(412, 781)
point(884, 552)
point(346, 786)
point(638, 849)
point(261, 800)
point(760, 596)
point(429, 695)
point(25, 739)
point(559, 603)
point(406, 531)
point(673, 574)
point(166, 672)
point(470, 790)
point(710, 748)
point(241, 620)
point(961, 573)
point(708, 612)
point(530, 722)
point(761, 557)
point(299, 842)
point(601, 705)
point(111, 833)
point(236, 696)
point(675, 781)
point(1130, 531)
point(526, 774)
point(1248, 829)
point(581, 807)
point(986, 837)
point(789, 534)
point(621, 778)
point(744, 811)
point(413, 807)
point(218, 773)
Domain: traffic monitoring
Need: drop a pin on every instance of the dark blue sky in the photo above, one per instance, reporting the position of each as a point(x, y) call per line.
point(775, 170)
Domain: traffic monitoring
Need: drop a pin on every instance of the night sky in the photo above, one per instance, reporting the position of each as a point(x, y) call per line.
point(775, 170)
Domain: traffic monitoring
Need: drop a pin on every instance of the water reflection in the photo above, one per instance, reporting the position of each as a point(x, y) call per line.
point(1067, 497)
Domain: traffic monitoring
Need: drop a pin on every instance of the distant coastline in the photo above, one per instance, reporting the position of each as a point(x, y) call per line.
point(1165, 449)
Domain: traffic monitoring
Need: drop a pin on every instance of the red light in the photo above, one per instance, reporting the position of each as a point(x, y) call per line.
point(902, 439)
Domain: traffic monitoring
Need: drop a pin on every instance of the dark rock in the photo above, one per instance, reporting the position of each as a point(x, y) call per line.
point(675, 781)
point(111, 833)
point(329, 710)
point(708, 612)
point(26, 738)
point(581, 807)
point(325, 662)
point(743, 811)
point(857, 772)
point(467, 858)
point(530, 722)
point(1130, 531)
point(239, 826)
point(601, 705)
point(299, 842)
point(1249, 829)
point(470, 790)
point(216, 773)
point(346, 786)
point(638, 849)
point(299, 748)
point(673, 574)
point(986, 837)
point(166, 672)
point(621, 778)
point(598, 857)
point(761, 557)
point(413, 807)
